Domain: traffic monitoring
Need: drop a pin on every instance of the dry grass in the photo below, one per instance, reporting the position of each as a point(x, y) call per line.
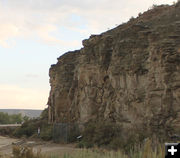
point(147, 151)
point(25, 152)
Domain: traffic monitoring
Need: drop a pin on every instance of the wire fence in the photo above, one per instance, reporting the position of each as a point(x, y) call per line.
point(65, 132)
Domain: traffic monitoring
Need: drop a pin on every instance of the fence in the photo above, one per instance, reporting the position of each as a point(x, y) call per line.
point(65, 132)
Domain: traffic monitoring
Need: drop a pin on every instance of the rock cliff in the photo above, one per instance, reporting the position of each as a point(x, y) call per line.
point(129, 75)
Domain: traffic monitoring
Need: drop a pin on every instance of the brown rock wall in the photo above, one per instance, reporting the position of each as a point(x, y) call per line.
point(129, 75)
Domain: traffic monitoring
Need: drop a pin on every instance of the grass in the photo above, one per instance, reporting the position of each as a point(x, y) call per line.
point(147, 151)
point(87, 153)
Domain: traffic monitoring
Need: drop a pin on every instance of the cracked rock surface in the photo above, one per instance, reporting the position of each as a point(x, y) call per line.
point(129, 75)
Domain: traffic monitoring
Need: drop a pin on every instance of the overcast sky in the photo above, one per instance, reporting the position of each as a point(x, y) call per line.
point(34, 33)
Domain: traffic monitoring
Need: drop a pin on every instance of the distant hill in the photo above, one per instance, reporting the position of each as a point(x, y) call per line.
point(24, 112)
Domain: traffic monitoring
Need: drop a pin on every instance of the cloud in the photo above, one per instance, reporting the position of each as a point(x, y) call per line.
point(7, 31)
point(35, 21)
point(40, 19)
point(31, 75)
point(13, 96)
point(44, 33)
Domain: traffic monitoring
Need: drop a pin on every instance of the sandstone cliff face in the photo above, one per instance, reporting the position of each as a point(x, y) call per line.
point(129, 75)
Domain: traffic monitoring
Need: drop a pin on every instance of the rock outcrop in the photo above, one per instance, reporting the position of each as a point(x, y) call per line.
point(129, 75)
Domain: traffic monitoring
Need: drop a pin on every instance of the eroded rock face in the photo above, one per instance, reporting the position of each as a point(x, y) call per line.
point(129, 75)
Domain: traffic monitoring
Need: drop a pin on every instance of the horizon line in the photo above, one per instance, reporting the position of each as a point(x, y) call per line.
point(19, 109)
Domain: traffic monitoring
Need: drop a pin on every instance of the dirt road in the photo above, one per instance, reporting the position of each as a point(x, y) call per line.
point(4, 141)
point(47, 148)
point(6, 144)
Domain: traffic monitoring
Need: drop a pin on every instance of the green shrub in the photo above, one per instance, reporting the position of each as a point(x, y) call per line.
point(102, 133)
point(110, 135)
point(30, 127)
point(105, 132)
point(10, 119)
point(6, 131)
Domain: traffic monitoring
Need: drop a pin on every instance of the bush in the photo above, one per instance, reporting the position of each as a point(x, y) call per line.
point(30, 127)
point(105, 132)
point(10, 119)
point(110, 135)
point(31, 130)
point(102, 133)
point(6, 131)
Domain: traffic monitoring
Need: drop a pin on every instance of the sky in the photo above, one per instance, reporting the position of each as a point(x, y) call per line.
point(34, 33)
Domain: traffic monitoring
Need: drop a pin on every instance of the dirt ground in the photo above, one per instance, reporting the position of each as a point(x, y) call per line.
point(47, 148)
